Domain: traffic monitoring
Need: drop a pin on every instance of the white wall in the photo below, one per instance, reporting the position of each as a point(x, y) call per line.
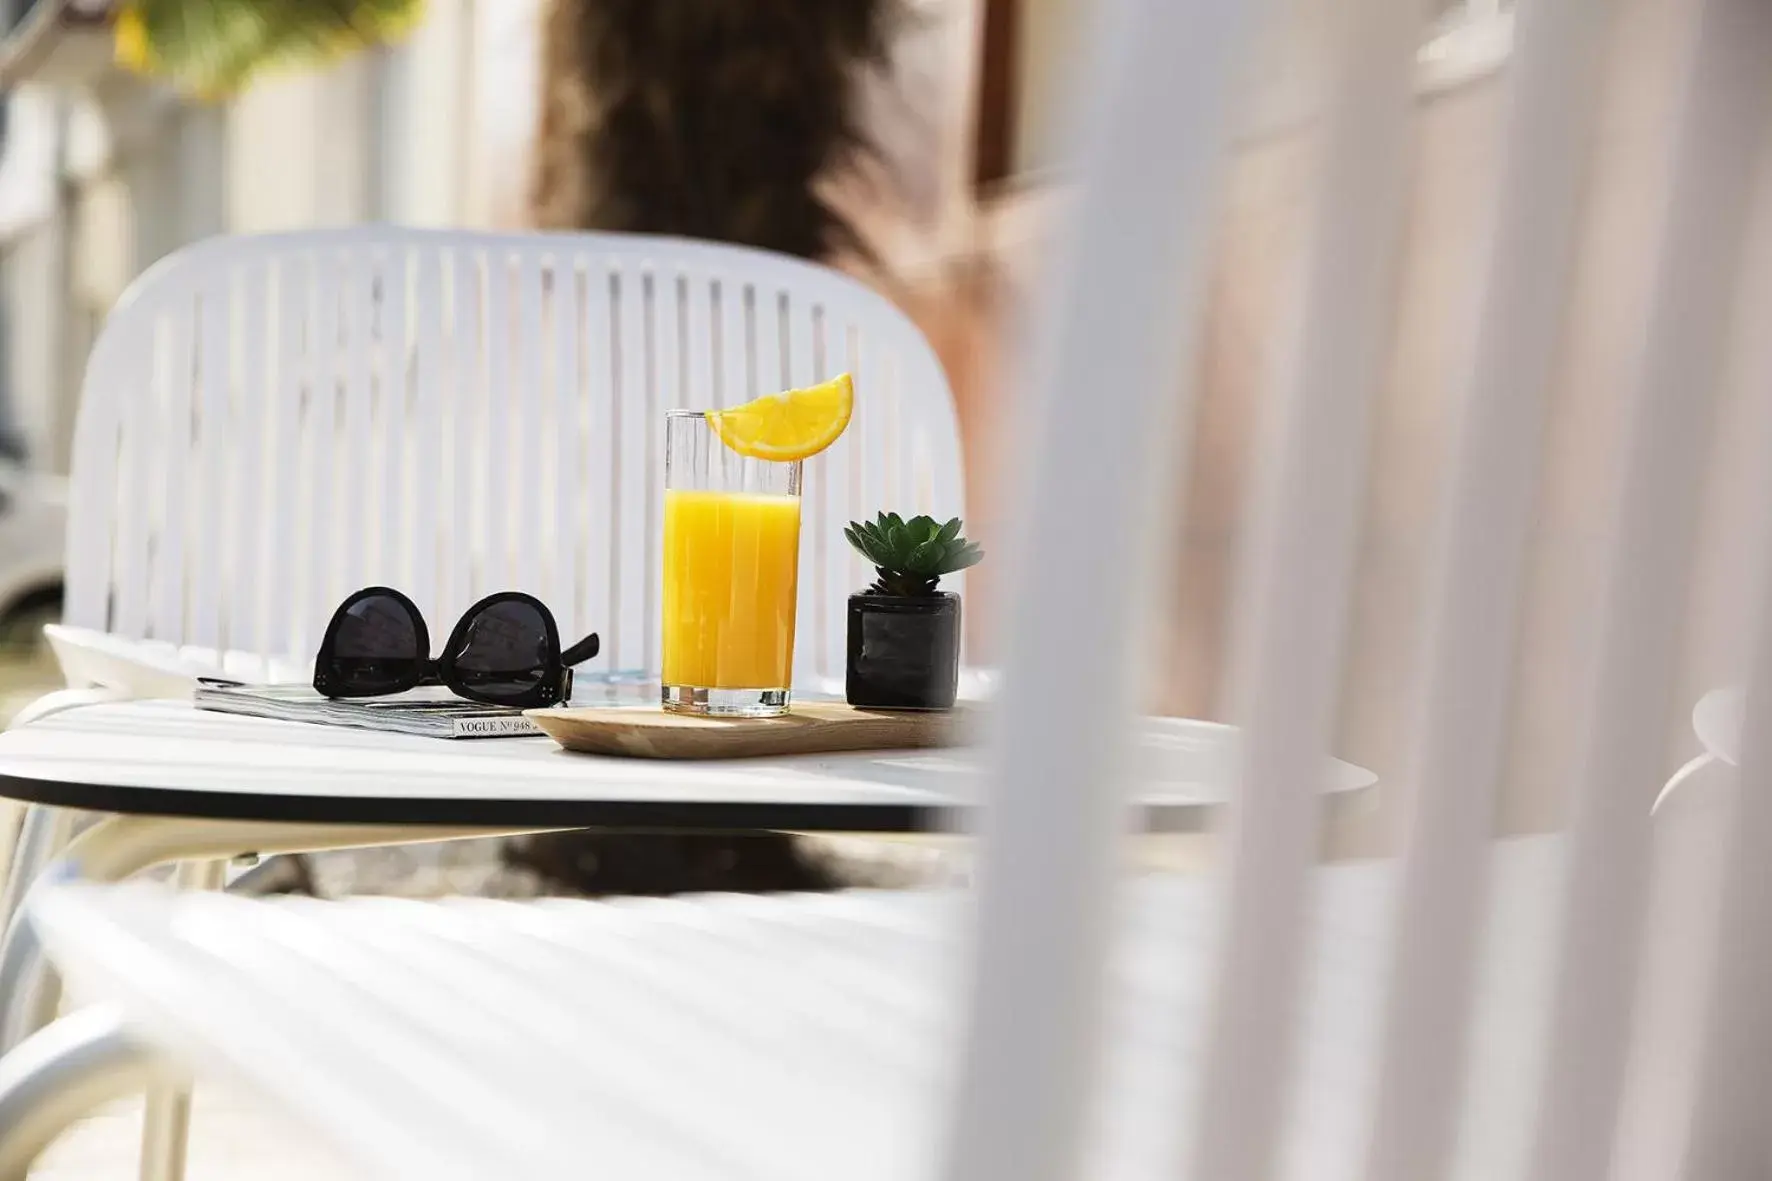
point(503, 86)
point(296, 151)
point(28, 269)
point(28, 361)
point(384, 136)
point(423, 108)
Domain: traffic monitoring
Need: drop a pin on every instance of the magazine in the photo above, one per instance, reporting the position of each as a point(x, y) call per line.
point(431, 712)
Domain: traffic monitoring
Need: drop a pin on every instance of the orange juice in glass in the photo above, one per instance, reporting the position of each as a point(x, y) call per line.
point(731, 574)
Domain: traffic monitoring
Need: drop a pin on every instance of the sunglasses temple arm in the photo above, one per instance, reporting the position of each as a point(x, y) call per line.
point(581, 651)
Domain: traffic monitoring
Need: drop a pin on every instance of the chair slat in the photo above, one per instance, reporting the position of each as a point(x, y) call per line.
point(464, 366)
point(1468, 663)
point(701, 386)
point(600, 441)
point(554, 557)
point(109, 577)
point(523, 403)
point(431, 403)
point(323, 366)
point(868, 477)
point(1290, 639)
point(358, 475)
point(666, 301)
point(1728, 1136)
point(819, 594)
point(735, 367)
point(1668, 417)
point(766, 339)
point(571, 553)
point(213, 455)
point(253, 396)
point(843, 468)
point(166, 618)
point(394, 444)
point(894, 444)
point(283, 621)
point(1151, 127)
point(102, 446)
point(499, 508)
point(638, 470)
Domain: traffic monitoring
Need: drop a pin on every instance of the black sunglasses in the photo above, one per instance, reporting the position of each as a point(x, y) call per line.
point(505, 650)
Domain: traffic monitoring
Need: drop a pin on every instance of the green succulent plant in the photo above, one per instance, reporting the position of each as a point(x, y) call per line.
point(911, 556)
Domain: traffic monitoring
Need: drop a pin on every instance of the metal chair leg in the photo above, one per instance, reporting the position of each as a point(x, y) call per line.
point(166, 1127)
point(44, 833)
point(59, 1075)
point(27, 859)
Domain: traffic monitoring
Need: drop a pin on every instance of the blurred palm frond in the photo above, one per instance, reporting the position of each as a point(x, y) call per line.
point(215, 47)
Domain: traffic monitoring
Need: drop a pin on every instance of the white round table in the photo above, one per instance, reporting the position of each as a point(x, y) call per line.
point(169, 759)
point(187, 785)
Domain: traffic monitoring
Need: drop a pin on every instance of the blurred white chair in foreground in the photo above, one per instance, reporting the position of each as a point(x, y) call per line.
point(1467, 1011)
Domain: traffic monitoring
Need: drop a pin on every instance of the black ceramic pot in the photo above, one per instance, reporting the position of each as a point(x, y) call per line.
point(904, 651)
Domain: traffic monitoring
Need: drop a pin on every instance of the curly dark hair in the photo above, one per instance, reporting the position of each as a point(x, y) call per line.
point(707, 118)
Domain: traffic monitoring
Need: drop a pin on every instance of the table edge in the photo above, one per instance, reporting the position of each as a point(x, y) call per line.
point(470, 812)
point(507, 813)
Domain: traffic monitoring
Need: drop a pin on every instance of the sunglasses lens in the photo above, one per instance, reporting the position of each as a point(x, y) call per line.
point(501, 652)
point(375, 649)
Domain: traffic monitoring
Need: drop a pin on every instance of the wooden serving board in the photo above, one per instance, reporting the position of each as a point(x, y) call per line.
point(810, 728)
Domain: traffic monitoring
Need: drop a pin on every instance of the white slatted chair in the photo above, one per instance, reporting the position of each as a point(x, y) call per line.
point(1466, 1011)
point(270, 423)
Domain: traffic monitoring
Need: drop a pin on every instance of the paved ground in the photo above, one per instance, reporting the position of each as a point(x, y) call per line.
point(24, 677)
point(232, 1139)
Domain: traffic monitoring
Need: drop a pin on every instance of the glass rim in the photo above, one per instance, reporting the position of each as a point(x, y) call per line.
point(686, 413)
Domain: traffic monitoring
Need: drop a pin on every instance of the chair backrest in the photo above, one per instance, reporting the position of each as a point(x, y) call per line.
point(1151, 134)
point(269, 423)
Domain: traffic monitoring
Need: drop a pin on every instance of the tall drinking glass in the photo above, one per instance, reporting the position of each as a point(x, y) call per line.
point(731, 572)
